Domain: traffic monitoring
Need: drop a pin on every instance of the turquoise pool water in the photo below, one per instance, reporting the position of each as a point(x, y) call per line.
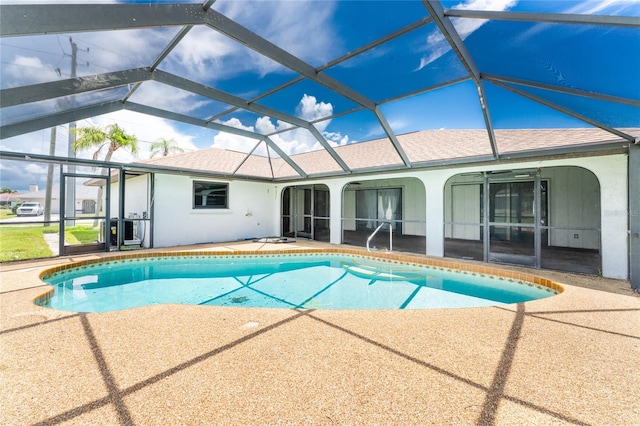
point(309, 281)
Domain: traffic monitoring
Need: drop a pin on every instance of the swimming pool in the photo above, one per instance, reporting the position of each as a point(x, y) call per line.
point(303, 280)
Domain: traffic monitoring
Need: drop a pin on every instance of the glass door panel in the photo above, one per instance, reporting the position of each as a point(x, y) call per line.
point(303, 212)
point(374, 206)
point(321, 214)
point(512, 222)
point(83, 213)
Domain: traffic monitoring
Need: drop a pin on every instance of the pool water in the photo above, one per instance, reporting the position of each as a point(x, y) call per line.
point(308, 281)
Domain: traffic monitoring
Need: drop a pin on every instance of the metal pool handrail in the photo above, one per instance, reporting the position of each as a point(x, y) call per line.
point(376, 231)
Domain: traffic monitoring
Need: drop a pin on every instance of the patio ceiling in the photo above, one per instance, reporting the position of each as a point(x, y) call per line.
point(290, 78)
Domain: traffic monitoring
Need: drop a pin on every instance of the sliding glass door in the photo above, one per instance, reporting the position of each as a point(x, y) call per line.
point(378, 205)
point(305, 212)
point(547, 218)
point(517, 209)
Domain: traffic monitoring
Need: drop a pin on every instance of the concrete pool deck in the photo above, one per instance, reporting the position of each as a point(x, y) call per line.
point(568, 359)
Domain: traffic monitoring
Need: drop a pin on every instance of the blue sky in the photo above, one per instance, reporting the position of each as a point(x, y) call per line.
point(576, 57)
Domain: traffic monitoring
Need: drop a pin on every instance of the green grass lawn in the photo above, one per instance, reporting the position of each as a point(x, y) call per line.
point(83, 234)
point(6, 214)
point(27, 242)
point(24, 242)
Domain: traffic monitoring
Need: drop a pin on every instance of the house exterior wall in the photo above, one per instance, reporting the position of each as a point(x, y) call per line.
point(574, 204)
point(349, 210)
point(254, 207)
point(136, 200)
point(463, 207)
point(612, 174)
point(634, 216)
point(250, 213)
point(609, 170)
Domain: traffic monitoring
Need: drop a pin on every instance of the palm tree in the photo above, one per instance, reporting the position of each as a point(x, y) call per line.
point(164, 147)
point(113, 137)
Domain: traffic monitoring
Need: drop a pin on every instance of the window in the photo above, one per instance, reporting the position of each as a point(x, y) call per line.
point(210, 195)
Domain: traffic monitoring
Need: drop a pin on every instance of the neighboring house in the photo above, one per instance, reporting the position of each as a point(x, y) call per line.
point(8, 199)
point(552, 210)
point(86, 197)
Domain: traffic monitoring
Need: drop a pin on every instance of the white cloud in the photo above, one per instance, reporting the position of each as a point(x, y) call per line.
point(310, 109)
point(28, 70)
point(289, 25)
point(48, 57)
point(237, 124)
point(293, 141)
point(336, 138)
point(201, 54)
point(609, 7)
point(265, 126)
point(438, 46)
point(206, 55)
point(38, 142)
point(296, 141)
point(35, 169)
point(231, 141)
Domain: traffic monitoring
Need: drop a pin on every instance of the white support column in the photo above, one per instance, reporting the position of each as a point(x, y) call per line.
point(612, 175)
point(434, 187)
point(335, 209)
point(634, 216)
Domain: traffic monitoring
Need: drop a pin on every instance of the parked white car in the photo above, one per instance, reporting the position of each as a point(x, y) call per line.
point(30, 209)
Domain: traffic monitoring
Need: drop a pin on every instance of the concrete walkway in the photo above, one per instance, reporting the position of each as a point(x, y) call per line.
point(53, 241)
point(568, 359)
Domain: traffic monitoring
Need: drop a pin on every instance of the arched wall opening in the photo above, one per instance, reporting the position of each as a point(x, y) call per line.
point(398, 204)
point(305, 212)
point(547, 218)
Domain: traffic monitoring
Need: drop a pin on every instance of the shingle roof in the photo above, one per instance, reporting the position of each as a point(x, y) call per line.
point(212, 159)
point(420, 147)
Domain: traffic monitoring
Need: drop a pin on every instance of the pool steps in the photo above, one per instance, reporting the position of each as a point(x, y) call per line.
point(377, 272)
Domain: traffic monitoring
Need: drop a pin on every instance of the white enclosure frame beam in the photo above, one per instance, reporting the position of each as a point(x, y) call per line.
point(264, 47)
point(32, 19)
point(570, 113)
point(197, 88)
point(566, 90)
point(215, 126)
point(455, 41)
point(58, 118)
point(557, 18)
point(71, 86)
